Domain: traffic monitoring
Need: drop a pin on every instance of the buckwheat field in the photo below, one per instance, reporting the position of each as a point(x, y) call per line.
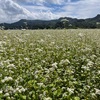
point(50, 64)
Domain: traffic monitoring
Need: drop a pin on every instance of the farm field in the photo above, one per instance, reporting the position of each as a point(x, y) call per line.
point(50, 64)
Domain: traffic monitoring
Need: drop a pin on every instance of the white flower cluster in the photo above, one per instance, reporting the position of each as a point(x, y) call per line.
point(6, 79)
point(20, 89)
point(0, 91)
point(97, 91)
point(54, 65)
point(65, 61)
point(10, 66)
point(70, 90)
point(90, 63)
point(2, 43)
point(40, 84)
point(80, 35)
point(39, 50)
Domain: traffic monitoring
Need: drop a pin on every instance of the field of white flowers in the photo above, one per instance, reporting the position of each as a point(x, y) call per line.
point(50, 64)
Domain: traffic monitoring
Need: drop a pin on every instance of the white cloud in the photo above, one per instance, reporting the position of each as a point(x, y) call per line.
point(40, 1)
point(81, 9)
point(14, 10)
point(69, 0)
point(88, 8)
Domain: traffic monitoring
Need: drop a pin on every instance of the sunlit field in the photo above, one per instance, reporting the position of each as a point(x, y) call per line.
point(50, 64)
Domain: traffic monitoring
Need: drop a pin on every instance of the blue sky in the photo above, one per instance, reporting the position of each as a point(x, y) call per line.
point(14, 10)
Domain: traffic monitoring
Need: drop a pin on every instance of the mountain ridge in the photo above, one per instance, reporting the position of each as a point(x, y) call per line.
point(62, 22)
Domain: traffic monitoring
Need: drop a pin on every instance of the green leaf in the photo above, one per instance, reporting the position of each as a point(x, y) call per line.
point(76, 98)
point(23, 97)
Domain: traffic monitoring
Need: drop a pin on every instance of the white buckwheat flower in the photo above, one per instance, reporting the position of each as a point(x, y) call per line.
point(6, 94)
point(0, 91)
point(97, 91)
point(54, 65)
point(6, 79)
point(11, 66)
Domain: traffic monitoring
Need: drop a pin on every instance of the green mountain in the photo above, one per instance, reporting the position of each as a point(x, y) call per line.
point(63, 22)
